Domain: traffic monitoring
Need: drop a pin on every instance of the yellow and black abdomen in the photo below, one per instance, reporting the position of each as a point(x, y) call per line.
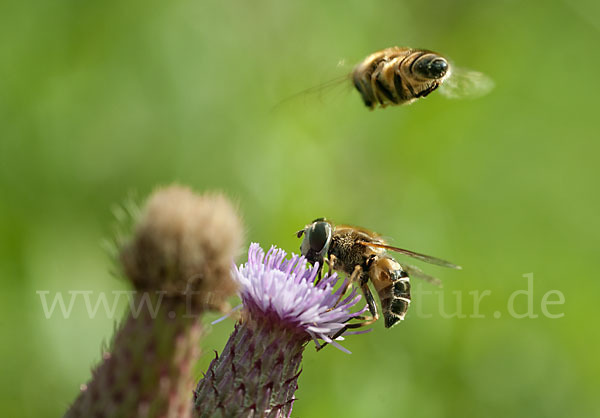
point(397, 301)
point(393, 287)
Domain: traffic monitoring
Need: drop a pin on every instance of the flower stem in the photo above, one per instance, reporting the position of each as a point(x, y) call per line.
point(148, 371)
point(256, 375)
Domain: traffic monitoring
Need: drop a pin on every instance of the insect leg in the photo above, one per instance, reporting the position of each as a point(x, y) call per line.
point(369, 298)
point(428, 90)
point(357, 271)
point(330, 263)
point(365, 320)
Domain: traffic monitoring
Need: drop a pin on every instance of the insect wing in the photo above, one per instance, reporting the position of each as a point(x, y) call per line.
point(466, 84)
point(426, 258)
point(414, 271)
point(322, 91)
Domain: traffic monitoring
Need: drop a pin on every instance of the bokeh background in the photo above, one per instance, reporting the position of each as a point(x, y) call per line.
point(102, 101)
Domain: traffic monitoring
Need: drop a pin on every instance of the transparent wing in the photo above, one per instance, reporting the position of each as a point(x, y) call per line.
point(414, 271)
point(466, 84)
point(321, 91)
point(426, 258)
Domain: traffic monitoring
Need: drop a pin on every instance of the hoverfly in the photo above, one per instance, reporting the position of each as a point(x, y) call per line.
point(400, 75)
point(362, 255)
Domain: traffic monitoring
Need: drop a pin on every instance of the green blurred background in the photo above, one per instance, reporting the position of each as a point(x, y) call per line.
point(102, 100)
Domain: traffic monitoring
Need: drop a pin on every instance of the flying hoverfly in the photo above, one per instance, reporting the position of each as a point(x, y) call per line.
point(362, 255)
point(401, 75)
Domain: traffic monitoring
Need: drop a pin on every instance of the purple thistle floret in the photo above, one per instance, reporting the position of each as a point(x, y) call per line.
point(284, 291)
point(257, 371)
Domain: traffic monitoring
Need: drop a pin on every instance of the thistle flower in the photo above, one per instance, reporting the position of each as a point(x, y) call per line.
point(257, 372)
point(179, 261)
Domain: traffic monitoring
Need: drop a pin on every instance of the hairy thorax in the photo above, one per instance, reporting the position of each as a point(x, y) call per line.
point(349, 252)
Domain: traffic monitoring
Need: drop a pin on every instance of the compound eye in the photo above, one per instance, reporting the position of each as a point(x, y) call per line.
point(438, 67)
point(319, 236)
point(431, 66)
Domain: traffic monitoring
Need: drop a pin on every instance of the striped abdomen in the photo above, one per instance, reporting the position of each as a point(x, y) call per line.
point(398, 76)
point(393, 287)
point(396, 298)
